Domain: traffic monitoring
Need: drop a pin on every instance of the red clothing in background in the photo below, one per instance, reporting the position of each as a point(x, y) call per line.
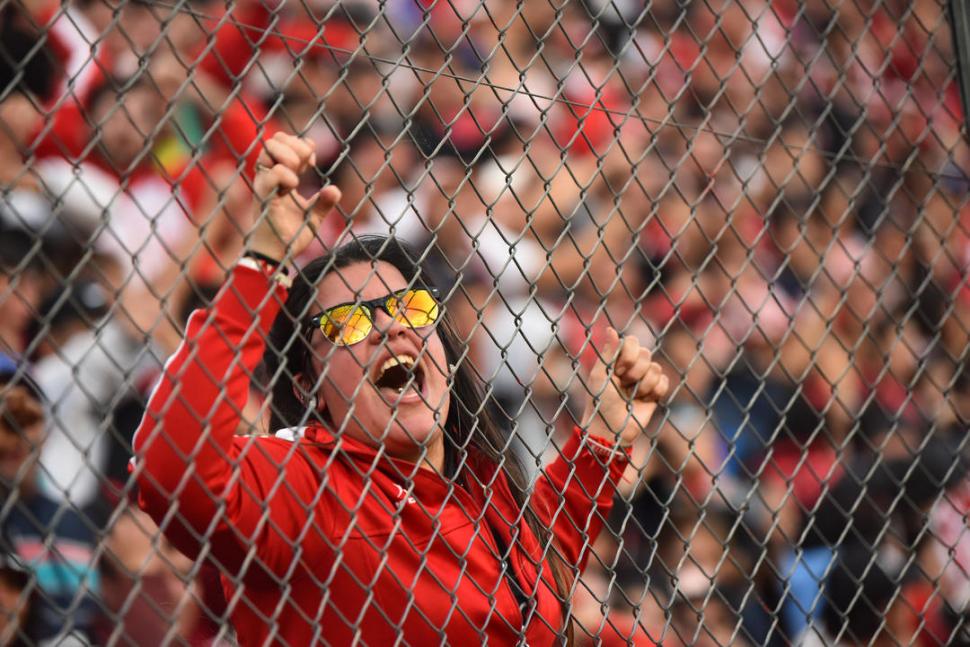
point(321, 539)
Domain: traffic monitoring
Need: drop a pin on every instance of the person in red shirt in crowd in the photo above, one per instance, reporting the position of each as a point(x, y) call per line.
point(96, 56)
point(390, 505)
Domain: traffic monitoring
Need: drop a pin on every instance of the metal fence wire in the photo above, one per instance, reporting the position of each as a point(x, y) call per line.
point(631, 323)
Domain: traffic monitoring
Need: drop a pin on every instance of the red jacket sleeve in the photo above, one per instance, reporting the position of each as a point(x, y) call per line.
point(575, 493)
point(243, 501)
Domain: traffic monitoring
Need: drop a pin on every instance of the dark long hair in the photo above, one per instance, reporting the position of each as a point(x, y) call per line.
point(469, 425)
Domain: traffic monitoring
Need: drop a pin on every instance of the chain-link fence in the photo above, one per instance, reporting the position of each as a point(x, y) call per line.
point(436, 438)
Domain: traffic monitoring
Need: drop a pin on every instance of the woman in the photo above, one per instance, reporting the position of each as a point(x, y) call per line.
point(391, 506)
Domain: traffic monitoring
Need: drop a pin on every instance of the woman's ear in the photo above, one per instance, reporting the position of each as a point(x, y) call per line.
point(305, 393)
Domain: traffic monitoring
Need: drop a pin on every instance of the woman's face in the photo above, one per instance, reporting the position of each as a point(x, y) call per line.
point(367, 388)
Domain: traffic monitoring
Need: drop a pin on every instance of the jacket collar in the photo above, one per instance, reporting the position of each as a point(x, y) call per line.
point(323, 438)
point(480, 473)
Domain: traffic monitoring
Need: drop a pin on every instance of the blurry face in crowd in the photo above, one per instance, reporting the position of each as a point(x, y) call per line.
point(139, 29)
point(13, 610)
point(125, 128)
point(19, 300)
point(140, 26)
point(20, 117)
point(360, 385)
point(21, 433)
point(793, 162)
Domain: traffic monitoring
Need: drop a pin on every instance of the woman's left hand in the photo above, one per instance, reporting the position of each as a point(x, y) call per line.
point(625, 386)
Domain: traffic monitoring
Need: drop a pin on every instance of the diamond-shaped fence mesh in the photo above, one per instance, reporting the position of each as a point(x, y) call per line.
point(230, 417)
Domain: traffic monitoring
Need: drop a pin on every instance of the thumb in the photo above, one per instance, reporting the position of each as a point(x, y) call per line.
point(325, 201)
point(604, 356)
point(611, 347)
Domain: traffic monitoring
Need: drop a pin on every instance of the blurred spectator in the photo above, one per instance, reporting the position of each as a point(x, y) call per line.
point(84, 50)
point(27, 78)
point(15, 599)
point(20, 289)
point(117, 190)
point(864, 606)
point(104, 367)
point(149, 592)
point(67, 312)
point(55, 542)
point(880, 507)
point(90, 373)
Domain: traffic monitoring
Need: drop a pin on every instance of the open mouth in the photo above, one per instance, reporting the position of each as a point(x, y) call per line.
point(400, 374)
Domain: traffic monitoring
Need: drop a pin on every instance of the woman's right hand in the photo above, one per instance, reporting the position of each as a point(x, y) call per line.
point(288, 222)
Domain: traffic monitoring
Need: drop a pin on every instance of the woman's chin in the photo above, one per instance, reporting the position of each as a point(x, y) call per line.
point(412, 439)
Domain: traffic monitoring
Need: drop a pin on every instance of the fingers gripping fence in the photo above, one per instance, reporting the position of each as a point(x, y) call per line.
point(631, 323)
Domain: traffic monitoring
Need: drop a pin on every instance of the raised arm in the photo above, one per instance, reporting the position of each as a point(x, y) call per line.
point(200, 483)
point(575, 493)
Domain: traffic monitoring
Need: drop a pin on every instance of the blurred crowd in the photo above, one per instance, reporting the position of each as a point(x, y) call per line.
point(769, 192)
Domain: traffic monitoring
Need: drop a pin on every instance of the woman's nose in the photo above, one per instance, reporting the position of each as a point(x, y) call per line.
point(386, 326)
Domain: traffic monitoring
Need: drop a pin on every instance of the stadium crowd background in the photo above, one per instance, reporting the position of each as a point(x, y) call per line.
point(771, 193)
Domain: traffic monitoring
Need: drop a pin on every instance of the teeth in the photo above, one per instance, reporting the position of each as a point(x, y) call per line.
point(405, 360)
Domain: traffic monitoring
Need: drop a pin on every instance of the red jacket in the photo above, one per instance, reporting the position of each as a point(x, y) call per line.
point(320, 538)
